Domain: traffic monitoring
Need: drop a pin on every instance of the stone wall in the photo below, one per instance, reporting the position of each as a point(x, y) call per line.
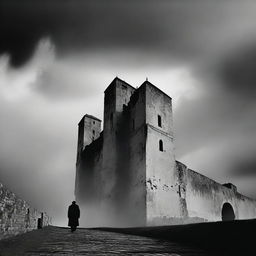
point(89, 184)
point(16, 215)
point(115, 166)
point(204, 198)
point(162, 199)
point(137, 159)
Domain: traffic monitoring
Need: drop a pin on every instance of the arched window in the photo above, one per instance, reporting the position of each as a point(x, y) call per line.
point(227, 212)
point(161, 146)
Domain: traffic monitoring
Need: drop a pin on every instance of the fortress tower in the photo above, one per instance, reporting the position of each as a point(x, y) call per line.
point(127, 174)
point(88, 131)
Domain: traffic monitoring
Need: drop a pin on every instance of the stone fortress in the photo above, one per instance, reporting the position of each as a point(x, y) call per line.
point(127, 175)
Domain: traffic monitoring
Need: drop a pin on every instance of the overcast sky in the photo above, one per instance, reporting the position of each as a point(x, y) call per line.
point(57, 57)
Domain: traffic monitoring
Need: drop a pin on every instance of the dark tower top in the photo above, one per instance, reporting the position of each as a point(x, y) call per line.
point(89, 129)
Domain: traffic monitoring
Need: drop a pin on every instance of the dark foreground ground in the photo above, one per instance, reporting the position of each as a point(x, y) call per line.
point(206, 239)
point(217, 238)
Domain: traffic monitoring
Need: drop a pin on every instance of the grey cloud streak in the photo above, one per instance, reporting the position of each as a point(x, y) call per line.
point(216, 133)
point(238, 71)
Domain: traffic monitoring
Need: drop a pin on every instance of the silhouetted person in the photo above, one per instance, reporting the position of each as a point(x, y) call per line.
point(73, 216)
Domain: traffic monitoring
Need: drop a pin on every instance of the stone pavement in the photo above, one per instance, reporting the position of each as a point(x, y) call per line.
point(60, 241)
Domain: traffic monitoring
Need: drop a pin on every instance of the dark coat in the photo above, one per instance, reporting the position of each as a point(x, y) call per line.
point(73, 215)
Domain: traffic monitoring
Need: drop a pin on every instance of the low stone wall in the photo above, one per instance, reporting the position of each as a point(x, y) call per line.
point(17, 216)
point(204, 198)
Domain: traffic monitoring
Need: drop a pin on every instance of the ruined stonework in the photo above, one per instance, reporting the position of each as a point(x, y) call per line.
point(127, 175)
point(17, 216)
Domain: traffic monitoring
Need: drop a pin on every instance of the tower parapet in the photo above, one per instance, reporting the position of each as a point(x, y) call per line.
point(89, 129)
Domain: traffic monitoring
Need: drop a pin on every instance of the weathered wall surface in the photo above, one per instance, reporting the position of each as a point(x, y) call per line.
point(89, 183)
point(16, 215)
point(109, 159)
point(88, 172)
point(137, 158)
point(158, 103)
point(162, 198)
point(115, 162)
point(205, 197)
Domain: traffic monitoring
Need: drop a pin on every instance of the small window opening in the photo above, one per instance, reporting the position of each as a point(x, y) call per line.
point(161, 146)
point(93, 131)
point(93, 122)
point(159, 121)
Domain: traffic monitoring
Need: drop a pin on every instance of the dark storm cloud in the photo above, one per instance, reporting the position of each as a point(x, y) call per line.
point(156, 33)
point(216, 134)
point(245, 167)
point(238, 71)
point(175, 29)
point(73, 25)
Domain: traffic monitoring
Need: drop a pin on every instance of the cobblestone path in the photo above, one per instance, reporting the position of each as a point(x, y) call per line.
point(60, 241)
